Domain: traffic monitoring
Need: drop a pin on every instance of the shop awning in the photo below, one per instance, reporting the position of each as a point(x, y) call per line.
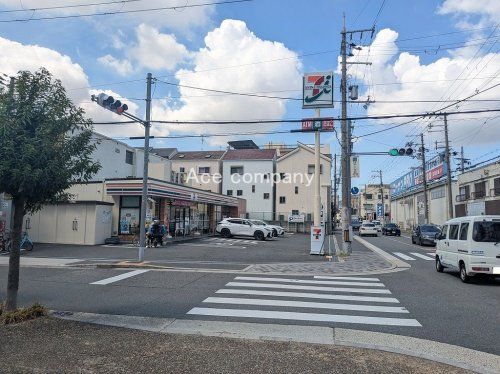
point(158, 188)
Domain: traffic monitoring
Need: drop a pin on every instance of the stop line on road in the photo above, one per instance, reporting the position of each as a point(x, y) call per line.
point(323, 299)
point(407, 257)
point(230, 241)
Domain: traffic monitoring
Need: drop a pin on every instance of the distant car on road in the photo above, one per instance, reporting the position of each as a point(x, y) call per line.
point(242, 227)
point(391, 229)
point(378, 225)
point(276, 230)
point(368, 229)
point(425, 234)
point(356, 224)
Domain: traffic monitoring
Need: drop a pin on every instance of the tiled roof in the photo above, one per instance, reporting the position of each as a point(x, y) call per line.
point(164, 152)
point(250, 154)
point(198, 155)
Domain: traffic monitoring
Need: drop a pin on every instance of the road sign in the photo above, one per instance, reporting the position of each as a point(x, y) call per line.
point(380, 210)
point(355, 190)
point(354, 166)
point(317, 90)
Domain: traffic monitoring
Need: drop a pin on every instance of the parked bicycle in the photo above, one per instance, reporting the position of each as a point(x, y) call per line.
point(26, 243)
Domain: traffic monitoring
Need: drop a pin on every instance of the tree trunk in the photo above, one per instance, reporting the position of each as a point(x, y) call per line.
point(15, 254)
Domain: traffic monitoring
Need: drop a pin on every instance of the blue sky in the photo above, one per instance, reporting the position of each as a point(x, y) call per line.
point(107, 50)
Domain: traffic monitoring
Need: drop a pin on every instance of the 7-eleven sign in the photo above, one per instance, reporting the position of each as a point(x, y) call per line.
point(317, 90)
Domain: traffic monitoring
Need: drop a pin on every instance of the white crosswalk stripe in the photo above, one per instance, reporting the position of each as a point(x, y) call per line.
point(422, 256)
point(359, 300)
point(407, 257)
point(403, 256)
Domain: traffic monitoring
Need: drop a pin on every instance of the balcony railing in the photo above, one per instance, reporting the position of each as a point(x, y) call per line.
point(495, 191)
point(460, 198)
point(478, 195)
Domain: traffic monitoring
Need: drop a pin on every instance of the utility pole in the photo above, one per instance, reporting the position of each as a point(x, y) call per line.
point(345, 157)
point(144, 198)
point(346, 143)
point(382, 196)
point(334, 189)
point(424, 179)
point(462, 159)
point(448, 167)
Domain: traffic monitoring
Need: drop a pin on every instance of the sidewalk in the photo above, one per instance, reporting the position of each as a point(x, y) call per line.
point(52, 345)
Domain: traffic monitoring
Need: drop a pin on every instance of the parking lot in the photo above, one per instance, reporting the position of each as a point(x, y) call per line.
point(234, 253)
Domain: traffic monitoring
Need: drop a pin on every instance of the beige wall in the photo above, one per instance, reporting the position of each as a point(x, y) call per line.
point(304, 200)
point(375, 191)
point(194, 165)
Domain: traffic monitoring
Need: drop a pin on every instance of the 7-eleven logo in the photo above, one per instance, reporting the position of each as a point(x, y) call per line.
point(317, 85)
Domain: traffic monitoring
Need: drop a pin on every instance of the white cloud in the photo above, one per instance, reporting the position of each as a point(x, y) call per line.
point(231, 44)
point(438, 82)
point(153, 50)
point(16, 56)
point(487, 8)
point(182, 19)
point(122, 67)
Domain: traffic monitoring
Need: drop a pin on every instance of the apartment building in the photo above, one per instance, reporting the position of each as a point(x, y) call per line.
point(248, 174)
point(370, 200)
point(479, 191)
point(199, 169)
point(295, 182)
point(110, 204)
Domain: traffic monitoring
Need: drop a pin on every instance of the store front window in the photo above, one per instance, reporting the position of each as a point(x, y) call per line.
point(130, 207)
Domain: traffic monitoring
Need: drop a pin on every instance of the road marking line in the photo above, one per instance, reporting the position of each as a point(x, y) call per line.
point(347, 278)
point(120, 277)
point(305, 304)
point(419, 255)
point(245, 313)
point(375, 299)
point(433, 254)
point(311, 288)
point(400, 242)
point(304, 281)
point(403, 256)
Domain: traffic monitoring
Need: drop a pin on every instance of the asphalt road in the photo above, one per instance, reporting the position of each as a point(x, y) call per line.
point(416, 302)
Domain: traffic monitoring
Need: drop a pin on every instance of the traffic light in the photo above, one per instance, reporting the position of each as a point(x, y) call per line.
point(401, 151)
point(110, 103)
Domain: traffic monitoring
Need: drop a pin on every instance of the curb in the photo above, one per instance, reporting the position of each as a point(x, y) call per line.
point(465, 358)
point(396, 262)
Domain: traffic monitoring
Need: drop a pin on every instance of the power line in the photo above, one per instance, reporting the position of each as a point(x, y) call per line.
point(276, 121)
point(125, 11)
point(68, 6)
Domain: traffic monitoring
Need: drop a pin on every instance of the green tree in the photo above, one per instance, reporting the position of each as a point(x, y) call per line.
point(45, 146)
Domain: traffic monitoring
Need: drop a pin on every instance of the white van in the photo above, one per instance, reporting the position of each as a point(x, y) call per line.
point(470, 245)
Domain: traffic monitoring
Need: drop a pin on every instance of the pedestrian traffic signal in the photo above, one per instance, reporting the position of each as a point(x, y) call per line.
point(110, 103)
point(401, 152)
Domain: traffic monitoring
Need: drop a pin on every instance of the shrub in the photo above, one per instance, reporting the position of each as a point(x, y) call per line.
point(23, 314)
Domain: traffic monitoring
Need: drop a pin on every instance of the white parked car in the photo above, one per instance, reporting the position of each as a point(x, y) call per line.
point(378, 225)
point(242, 227)
point(470, 245)
point(368, 229)
point(275, 229)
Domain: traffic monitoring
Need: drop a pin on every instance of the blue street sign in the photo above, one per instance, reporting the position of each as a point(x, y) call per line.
point(380, 210)
point(354, 190)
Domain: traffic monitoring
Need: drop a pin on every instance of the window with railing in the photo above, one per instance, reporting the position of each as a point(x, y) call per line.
point(464, 194)
point(479, 190)
point(496, 187)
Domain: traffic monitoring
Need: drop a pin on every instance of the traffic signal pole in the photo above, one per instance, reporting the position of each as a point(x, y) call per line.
point(144, 198)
